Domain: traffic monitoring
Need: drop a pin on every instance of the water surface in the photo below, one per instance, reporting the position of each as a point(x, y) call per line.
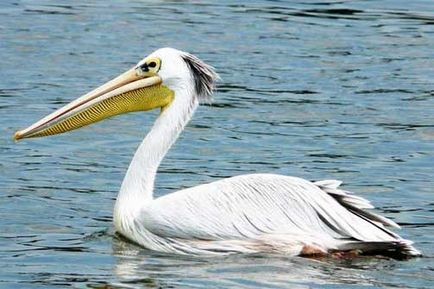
point(316, 89)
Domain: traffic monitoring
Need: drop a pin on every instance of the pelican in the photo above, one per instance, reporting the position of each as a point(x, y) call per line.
point(253, 213)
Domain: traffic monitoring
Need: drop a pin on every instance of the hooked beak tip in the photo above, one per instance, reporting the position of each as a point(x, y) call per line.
point(17, 136)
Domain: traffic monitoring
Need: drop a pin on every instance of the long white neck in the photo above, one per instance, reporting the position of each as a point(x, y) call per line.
point(137, 187)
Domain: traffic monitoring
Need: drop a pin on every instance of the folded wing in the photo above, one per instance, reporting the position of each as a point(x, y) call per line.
point(249, 207)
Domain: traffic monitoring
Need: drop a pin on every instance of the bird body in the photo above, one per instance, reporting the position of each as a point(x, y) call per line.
point(258, 213)
point(253, 213)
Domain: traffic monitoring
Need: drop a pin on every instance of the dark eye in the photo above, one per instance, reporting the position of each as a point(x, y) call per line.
point(152, 64)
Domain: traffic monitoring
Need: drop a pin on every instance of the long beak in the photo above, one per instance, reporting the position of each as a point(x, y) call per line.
point(128, 92)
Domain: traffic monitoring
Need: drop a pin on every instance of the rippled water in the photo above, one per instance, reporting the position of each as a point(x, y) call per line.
point(316, 89)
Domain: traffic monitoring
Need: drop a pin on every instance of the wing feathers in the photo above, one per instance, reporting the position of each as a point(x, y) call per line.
point(242, 209)
point(353, 203)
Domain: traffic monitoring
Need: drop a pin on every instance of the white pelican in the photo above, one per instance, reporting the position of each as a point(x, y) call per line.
point(244, 214)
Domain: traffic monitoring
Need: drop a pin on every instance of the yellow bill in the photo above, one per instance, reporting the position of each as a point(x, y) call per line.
point(133, 90)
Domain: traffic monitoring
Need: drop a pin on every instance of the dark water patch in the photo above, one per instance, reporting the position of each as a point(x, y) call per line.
point(428, 18)
point(383, 90)
point(425, 95)
point(334, 156)
point(104, 219)
point(342, 11)
point(98, 234)
point(233, 87)
point(416, 225)
point(285, 11)
point(401, 126)
point(49, 12)
point(223, 105)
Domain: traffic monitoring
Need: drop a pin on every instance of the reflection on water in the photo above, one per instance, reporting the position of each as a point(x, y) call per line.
point(242, 272)
point(315, 89)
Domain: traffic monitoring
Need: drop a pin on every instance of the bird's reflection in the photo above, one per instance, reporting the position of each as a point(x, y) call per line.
point(135, 265)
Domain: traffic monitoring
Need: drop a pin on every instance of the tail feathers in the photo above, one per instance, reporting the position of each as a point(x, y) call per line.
point(378, 219)
point(355, 204)
point(331, 187)
point(397, 249)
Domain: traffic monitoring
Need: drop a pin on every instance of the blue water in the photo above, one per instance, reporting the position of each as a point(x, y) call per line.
point(315, 89)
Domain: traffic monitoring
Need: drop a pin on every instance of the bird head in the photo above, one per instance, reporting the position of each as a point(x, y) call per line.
point(154, 82)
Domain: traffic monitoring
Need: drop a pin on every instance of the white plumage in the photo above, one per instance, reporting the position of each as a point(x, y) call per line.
point(243, 214)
